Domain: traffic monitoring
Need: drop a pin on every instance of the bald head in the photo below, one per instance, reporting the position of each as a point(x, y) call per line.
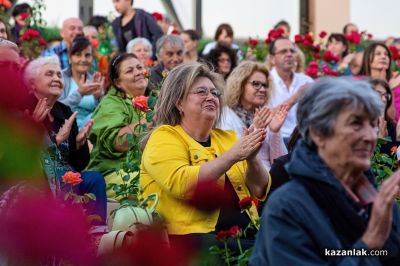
point(70, 28)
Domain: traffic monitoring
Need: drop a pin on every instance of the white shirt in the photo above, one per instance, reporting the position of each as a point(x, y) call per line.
point(282, 93)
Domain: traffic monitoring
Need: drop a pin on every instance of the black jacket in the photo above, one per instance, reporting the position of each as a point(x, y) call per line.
point(145, 26)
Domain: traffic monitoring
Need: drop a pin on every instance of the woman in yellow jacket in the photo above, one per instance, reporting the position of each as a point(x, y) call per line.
point(186, 148)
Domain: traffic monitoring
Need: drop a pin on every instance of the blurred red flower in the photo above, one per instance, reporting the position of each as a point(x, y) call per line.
point(42, 42)
point(157, 16)
point(208, 196)
point(329, 57)
point(253, 43)
point(393, 149)
point(223, 235)
point(298, 38)
point(395, 53)
point(322, 34)
point(246, 203)
point(72, 178)
point(235, 231)
point(37, 228)
point(24, 16)
point(140, 103)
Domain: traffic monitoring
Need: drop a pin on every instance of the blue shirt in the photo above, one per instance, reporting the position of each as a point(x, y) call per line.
point(62, 53)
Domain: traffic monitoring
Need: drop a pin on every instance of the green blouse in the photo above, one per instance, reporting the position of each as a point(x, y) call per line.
point(114, 111)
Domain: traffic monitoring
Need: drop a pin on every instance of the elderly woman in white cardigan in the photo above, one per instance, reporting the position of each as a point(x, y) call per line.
point(247, 94)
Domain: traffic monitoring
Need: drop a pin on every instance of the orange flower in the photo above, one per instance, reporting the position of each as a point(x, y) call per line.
point(140, 103)
point(6, 3)
point(393, 149)
point(146, 73)
point(72, 178)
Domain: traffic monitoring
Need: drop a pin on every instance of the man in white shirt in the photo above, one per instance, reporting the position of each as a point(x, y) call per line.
point(288, 85)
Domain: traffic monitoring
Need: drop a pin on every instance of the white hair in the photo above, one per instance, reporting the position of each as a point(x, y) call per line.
point(139, 40)
point(32, 70)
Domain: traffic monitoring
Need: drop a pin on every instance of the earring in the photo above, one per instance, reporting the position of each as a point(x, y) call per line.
point(181, 111)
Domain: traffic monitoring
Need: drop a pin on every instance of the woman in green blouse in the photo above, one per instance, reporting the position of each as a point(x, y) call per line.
point(114, 118)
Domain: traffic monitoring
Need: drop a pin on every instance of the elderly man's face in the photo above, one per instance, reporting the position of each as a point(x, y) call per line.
point(71, 28)
point(171, 56)
point(352, 144)
point(49, 82)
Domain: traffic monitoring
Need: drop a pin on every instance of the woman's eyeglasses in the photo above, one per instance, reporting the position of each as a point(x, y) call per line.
point(203, 92)
point(386, 95)
point(258, 84)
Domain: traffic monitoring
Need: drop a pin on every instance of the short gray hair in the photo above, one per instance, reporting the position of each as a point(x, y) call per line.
point(32, 70)
point(139, 40)
point(321, 104)
point(174, 40)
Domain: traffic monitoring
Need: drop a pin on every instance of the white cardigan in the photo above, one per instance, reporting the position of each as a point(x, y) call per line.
point(272, 148)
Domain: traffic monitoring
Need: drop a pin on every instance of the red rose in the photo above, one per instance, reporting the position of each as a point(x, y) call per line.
point(327, 56)
point(329, 72)
point(316, 48)
point(246, 203)
point(72, 178)
point(42, 42)
point(298, 38)
point(157, 16)
point(309, 37)
point(369, 35)
point(312, 70)
point(235, 231)
point(393, 149)
point(140, 103)
point(322, 34)
point(23, 16)
point(223, 235)
point(356, 37)
point(174, 32)
point(148, 63)
point(6, 3)
point(268, 40)
point(395, 53)
point(313, 64)
point(279, 31)
point(307, 42)
point(146, 73)
point(253, 43)
point(95, 43)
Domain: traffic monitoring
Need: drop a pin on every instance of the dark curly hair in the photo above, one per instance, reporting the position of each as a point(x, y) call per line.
point(217, 52)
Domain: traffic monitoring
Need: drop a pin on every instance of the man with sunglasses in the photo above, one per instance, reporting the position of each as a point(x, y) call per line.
point(288, 84)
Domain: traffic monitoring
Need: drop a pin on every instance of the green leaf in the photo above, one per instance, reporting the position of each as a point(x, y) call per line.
point(126, 178)
point(149, 116)
point(90, 196)
point(116, 188)
point(151, 102)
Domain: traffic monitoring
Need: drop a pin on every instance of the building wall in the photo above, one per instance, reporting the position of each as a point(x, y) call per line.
point(329, 16)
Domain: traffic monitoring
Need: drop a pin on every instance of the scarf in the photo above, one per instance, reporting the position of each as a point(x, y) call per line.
point(244, 115)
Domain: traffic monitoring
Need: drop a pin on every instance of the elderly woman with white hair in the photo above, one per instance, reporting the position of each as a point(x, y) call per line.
point(66, 147)
point(143, 49)
point(330, 212)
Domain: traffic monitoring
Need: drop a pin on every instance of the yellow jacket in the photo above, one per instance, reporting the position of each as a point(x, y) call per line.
point(170, 167)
